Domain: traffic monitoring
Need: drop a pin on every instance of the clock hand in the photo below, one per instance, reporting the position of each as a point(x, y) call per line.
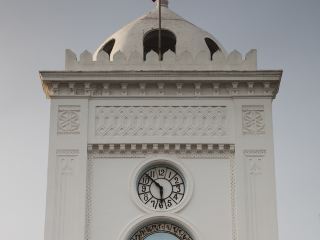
point(161, 194)
point(157, 184)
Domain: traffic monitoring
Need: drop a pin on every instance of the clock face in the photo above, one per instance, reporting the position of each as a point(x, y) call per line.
point(161, 187)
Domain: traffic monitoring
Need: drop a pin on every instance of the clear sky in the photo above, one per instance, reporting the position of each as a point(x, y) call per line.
point(35, 33)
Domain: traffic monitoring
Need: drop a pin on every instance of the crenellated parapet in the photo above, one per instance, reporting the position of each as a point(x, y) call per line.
point(171, 61)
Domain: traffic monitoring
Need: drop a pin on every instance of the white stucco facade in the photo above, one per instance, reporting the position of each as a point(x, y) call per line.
point(113, 116)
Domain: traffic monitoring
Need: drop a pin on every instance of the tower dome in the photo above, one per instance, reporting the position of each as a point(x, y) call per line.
point(178, 35)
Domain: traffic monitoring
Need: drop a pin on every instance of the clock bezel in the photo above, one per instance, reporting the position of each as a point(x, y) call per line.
point(161, 161)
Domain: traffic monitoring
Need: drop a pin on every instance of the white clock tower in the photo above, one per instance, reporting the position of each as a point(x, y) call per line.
point(180, 148)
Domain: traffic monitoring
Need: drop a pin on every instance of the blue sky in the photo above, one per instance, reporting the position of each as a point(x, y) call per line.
point(35, 33)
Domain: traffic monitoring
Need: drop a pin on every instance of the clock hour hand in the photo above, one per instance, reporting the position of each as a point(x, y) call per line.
point(161, 194)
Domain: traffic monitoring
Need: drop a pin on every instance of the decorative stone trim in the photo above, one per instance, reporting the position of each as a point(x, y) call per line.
point(160, 121)
point(160, 148)
point(253, 120)
point(67, 152)
point(165, 84)
point(150, 229)
point(68, 120)
point(254, 167)
point(255, 161)
point(205, 151)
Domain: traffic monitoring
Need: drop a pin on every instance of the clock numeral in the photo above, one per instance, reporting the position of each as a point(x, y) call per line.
point(176, 197)
point(145, 180)
point(143, 188)
point(153, 174)
point(178, 188)
point(161, 172)
point(145, 197)
point(176, 180)
point(154, 202)
point(169, 203)
point(170, 174)
point(160, 204)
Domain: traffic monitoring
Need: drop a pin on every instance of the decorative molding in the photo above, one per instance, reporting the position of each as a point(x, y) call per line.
point(233, 198)
point(185, 61)
point(160, 121)
point(254, 161)
point(253, 120)
point(183, 151)
point(254, 168)
point(181, 84)
point(89, 197)
point(150, 229)
point(67, 152)
point(68, 120)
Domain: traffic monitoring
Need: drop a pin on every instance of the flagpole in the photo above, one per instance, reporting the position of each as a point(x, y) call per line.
point(159, 40)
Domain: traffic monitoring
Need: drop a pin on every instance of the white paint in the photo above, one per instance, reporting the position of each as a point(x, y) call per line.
point(228, 168)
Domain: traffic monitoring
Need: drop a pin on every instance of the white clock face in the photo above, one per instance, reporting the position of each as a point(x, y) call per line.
point(161, 187)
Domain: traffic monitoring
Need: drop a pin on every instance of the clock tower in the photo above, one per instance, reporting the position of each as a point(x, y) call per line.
point(177, 148)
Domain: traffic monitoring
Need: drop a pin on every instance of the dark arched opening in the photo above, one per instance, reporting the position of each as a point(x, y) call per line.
point(151, 42)
point(109, 46)
point(213, 47)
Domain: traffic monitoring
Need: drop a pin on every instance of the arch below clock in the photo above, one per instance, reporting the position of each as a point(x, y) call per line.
point(161, 224)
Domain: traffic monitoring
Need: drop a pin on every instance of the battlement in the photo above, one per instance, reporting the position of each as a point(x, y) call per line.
point(185, 61)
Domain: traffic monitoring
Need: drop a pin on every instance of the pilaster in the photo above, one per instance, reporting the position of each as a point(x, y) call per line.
point(255, 174)
point(66, 194)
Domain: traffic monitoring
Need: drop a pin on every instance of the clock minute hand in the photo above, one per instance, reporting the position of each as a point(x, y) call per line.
point(157, 184)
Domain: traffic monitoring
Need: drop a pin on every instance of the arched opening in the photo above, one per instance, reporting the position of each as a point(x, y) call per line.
point(151, 42)
point(109, 46)
point(213, 47)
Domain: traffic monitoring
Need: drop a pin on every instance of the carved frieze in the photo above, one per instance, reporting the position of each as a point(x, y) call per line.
point(68, 119)
point(161, 227)
point(253, 120)
point(160, 121)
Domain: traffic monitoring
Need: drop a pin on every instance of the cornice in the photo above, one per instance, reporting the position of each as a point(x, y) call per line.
point(263, 83)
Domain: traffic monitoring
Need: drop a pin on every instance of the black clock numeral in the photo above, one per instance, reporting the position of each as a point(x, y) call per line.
point(145, 197)
point(160, 204)
point(176, 180)
point(154, 203)
point(143, 188)
point(176, 197)
point(145, 180)
point(152, 173)
point(161, 172)
point(170, 174)
point(177, 188)
point(169, 203)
